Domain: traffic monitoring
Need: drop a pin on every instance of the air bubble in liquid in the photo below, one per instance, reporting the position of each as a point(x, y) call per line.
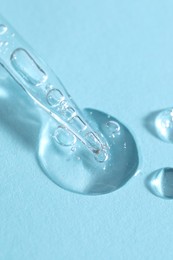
point(63, 105)
point(63, 137)
point(78, 169)
point(73, 149)
point(54, 97)
point(113, 128)
point(27, 68)
point(164, 125)
point(160, 183)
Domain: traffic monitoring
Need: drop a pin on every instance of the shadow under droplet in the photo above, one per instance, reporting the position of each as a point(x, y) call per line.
point(78, 171)
point(19, 115)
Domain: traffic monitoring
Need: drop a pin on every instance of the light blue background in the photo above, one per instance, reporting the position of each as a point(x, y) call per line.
point(116, 56)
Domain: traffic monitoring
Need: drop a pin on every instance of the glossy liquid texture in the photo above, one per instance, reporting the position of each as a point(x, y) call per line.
point(160, 183)
point(164, 125)
point(43, 86)
point(89, 154)
point(74, 168)
point(25, 65)
point(31, 72)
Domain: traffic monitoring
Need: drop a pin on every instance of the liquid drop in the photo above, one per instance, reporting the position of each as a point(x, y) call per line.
point(77, 169)
point(160, 183)
point(164, 125)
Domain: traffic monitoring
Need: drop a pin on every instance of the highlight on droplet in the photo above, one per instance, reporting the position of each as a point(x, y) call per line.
point(3, 29)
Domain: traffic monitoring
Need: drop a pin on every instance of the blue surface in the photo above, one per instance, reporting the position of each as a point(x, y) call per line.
point(116, 56)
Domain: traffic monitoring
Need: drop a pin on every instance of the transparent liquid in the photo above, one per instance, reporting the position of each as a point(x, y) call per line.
point(43, 86)
point(91, 153)
point(164, 125)
point(25, 65)
point(73, 168)
point(160, 183)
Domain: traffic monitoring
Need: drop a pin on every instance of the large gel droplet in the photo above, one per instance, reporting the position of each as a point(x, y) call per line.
point(25, 65)
point(160, 183)
point(76, 169)
point(164, 125)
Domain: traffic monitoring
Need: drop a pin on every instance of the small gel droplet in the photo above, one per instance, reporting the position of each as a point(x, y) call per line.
point(64, 137)
point(164, 125)
point(73, 149)
point(160, 183)
point(3, 29)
